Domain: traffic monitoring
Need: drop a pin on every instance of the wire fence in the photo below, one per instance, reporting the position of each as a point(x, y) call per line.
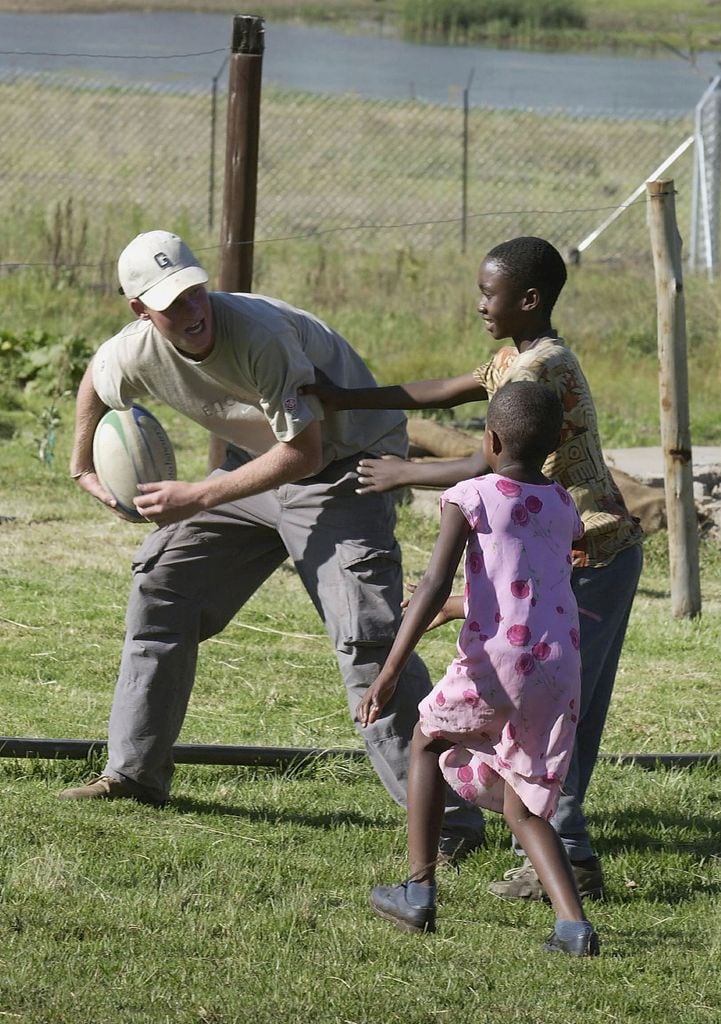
point(86, 161)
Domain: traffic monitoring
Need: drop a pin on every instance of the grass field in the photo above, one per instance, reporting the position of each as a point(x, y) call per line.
point(245, 899)
point(362, 227)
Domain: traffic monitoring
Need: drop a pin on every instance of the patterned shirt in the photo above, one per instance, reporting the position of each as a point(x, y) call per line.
point(578, 463)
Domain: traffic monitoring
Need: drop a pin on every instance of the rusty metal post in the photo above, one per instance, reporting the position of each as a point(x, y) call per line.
point(237, 230)
point(673, 396)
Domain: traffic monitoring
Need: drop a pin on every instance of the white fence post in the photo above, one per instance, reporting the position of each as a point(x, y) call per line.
point(704, 242)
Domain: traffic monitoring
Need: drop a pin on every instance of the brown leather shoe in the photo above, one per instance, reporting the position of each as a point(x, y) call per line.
point(104, 787)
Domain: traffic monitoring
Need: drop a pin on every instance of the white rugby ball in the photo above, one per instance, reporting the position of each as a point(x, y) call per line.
point(130, 447)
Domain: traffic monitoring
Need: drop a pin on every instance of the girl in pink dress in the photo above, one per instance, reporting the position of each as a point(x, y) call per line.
point(499, 727)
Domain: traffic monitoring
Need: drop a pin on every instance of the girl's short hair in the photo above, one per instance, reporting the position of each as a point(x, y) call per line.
point(527, 416)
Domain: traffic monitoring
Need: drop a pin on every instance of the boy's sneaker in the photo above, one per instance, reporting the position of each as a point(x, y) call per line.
point(104, 787)
point(391, 903)
point(585, 944)
point(524, 884)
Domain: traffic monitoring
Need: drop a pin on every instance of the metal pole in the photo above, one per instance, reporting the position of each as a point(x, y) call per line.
point(633, 197)
point(704, 244)
point(673, 395)
point(464, 172)
point(213, 123)
point(241, 154)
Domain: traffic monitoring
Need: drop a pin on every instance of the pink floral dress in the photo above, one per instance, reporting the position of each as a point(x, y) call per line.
point(509, 701)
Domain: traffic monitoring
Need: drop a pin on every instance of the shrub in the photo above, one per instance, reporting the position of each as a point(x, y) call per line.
point(423, 19)
point(39, 362)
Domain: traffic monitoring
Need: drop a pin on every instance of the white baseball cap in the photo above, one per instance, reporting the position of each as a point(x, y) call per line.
point(156, 267)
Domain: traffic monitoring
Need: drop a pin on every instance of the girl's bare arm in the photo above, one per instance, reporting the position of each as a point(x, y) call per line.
point(428, 598)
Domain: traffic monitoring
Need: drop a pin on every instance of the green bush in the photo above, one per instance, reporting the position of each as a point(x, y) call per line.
point(38, 362)
point(449, 19)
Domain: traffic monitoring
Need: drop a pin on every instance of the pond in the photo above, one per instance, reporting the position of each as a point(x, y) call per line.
point(189, 50)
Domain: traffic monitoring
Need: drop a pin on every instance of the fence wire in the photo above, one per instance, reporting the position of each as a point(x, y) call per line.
point(86, 161)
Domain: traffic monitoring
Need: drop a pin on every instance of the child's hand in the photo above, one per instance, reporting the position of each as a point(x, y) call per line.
point(452, 609)
point(383, 474)
point(377, 696)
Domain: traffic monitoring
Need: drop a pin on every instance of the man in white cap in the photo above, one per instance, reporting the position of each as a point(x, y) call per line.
point(285, 487)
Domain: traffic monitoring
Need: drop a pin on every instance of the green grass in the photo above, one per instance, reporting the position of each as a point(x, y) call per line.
point(380, 175)
point(404, 296)
point(640, 25)
point(245, 899)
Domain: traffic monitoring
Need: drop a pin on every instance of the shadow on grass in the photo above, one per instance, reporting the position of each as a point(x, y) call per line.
point(672, 848)
point(640, 830)
point(658, 595)
point(329, 820)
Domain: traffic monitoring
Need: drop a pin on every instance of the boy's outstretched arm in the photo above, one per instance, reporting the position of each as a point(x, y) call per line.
point(388, 472)
point(420, 394)
point(427, 600)
point(452, 609)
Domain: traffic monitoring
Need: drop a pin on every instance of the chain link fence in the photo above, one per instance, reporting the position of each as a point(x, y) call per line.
point(86, 161)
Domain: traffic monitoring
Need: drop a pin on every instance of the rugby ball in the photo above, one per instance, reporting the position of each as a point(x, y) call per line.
point(130, 447)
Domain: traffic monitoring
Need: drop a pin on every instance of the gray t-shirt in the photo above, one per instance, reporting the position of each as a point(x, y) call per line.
point(246, 390)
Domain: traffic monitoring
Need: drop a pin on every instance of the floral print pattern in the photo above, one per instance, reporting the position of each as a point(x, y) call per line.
point(508, 701)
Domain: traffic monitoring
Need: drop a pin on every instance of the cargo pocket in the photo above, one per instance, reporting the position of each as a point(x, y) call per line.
point(368, 606)
point(152, 548)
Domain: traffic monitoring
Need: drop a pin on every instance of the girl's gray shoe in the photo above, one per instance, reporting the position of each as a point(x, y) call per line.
point(584, 943)
point(391, 903)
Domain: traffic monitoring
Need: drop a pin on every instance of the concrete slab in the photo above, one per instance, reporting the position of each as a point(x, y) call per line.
point(646, 464)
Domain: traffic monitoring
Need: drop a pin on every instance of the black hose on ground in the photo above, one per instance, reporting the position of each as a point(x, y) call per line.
point(284, 757)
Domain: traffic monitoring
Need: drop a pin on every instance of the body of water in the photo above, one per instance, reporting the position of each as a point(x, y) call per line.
point(189, 50)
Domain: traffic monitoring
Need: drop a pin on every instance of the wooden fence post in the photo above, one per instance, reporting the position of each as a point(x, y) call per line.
point(241, 155)
point(673, 396)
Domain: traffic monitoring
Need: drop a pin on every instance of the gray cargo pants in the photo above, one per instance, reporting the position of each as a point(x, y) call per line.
point(191, 578)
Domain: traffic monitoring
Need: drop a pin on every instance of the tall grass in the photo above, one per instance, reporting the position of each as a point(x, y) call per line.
point(651, 27)
point(412, 314)
point(464, 21)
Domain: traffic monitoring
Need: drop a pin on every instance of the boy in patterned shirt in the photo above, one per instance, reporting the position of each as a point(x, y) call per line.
point(520, 281)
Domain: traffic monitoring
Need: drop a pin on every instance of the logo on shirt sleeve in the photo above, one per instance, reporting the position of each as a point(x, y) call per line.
point(290, 404)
